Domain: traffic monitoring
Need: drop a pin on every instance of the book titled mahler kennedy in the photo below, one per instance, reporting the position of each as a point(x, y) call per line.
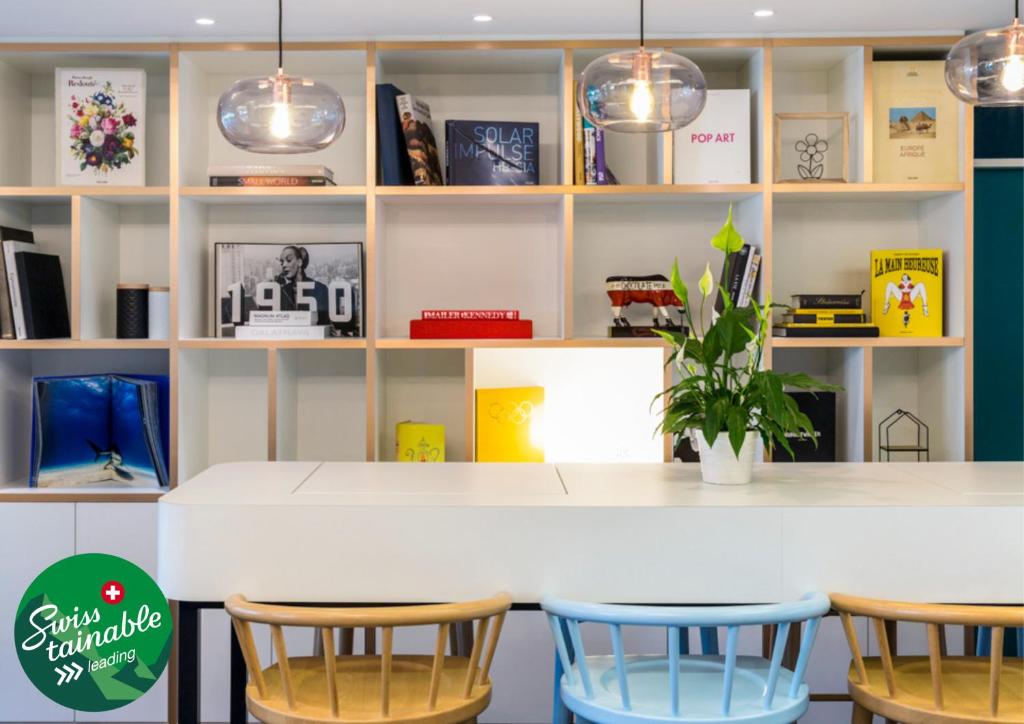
point(492, 153)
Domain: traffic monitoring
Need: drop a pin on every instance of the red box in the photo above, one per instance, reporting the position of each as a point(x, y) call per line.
point(470, 329)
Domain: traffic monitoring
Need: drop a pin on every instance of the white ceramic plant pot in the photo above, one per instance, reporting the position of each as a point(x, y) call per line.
point(719, 464)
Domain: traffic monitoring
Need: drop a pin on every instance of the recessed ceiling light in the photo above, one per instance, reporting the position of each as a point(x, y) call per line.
point(482, 18)
point(763, 13)
point(205, 21)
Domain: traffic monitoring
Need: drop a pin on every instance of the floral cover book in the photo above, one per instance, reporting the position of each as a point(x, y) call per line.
point(101, 127)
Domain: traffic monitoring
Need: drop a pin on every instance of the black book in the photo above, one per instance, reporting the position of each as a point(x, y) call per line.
point(9, 233)
point(828, 301)
point(820, 407)
point(827, 331)
point(492, 153)
point(393, 167)
point(42, 295)
point(732, 281)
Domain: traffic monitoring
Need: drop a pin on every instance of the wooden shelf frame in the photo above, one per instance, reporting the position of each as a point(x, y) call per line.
point(366, 193)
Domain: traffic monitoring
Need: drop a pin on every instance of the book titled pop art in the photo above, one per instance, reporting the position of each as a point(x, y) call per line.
point(101, 126)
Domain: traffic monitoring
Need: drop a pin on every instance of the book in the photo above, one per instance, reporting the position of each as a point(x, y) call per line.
point(419, 442)
point(579, 172)
point(270, 181)
point(732, 279)
point(420, 146)
point(470, 329)
point(393, 167)
point(293, 318)
point(323, 278)
point(101, 125)
point(820, 407)
point(600, 167)
point(589, 169)
point(278, 331)
point(100, 429)
point(9, 233)
point(830, 302)
point(492, 153)
point(277, 169)
point(906, 292)
point(469, 314)
point(715, 148)
point(814, 330)
point(43, 300)
point(509, 424)
point(749, 289)
point(823, 317)
point(11, 248)
point(916, 124)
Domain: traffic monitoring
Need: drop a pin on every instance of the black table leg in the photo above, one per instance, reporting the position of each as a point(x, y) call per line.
point(238, 681)
point(188, 662)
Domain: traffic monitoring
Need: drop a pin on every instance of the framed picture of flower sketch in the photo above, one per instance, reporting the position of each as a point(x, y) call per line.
point(812, 147)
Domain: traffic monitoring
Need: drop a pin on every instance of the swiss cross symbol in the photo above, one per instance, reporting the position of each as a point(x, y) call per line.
point(112, 592)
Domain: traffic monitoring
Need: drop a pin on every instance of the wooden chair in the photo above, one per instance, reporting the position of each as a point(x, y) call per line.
point(933, 689)
point(386, 688)
point(678, 687)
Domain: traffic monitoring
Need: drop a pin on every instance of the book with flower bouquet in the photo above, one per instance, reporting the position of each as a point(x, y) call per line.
point(101, 127)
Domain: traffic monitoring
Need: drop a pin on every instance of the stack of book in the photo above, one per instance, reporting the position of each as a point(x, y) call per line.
point(826, 315)
point(296, 324)
point(271, 175)
point(33, 304)
point(740, 279)
point(589, 162)
point(470, 324)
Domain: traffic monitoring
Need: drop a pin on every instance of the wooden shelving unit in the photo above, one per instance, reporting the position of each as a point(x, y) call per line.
point(543, 249)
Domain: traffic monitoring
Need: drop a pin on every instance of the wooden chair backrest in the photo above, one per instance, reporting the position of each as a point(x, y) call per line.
point(934, 617)
point(483, 612)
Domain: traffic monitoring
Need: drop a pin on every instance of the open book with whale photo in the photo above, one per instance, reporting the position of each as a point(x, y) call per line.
point(109, 430)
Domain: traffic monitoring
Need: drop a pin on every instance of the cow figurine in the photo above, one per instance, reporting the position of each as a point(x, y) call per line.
point(654, 290)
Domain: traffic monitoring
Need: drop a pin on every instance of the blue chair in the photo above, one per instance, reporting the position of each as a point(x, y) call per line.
point(679, 687)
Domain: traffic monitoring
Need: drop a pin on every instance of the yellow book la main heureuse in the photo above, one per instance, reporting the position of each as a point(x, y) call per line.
point(507, 425)
point(419, 442)
point(906, 292)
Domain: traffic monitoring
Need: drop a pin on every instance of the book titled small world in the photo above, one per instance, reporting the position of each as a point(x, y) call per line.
point(492, 153)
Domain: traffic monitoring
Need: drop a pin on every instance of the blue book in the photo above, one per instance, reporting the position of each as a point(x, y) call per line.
point(392, 162)
point(492, 153)
point(96, 428)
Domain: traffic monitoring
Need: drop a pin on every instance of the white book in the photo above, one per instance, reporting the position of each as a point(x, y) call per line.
point(750, 278)
point(306, 169)
point(715, 148)
point(264, 331)
point(101, 126)
point(270, 318)
point(18, 312)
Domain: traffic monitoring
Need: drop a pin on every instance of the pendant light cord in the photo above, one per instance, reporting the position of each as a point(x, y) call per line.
point(280, 36)
point(642, 23)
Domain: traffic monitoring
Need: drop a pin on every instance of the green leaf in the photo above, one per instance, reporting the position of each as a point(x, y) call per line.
point(707, 282)
point(712, 422)
point(736, 422)
point(677, 284)
point(727, 239)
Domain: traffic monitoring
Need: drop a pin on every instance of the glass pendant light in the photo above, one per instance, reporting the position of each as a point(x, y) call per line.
point(987, 68)
point(280, 113)
point(641, 91)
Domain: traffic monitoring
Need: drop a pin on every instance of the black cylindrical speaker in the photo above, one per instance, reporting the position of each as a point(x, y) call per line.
point(132, 311)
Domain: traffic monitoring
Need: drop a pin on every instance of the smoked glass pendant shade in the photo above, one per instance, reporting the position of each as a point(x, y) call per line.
point(987, 68)
point(641, 91)
point(280, 114)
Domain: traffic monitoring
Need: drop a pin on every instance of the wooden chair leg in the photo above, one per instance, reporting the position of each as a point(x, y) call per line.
point(860, 715)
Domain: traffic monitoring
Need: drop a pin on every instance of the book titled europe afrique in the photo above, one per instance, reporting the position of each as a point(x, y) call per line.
point(492, 153)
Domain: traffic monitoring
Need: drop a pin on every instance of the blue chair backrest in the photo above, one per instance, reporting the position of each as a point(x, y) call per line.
point(565, 618)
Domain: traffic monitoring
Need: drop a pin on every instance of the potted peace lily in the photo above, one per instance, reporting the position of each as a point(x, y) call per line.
point(724, 397)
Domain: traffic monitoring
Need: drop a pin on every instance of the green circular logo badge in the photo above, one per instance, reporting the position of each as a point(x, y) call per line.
point(93, 632)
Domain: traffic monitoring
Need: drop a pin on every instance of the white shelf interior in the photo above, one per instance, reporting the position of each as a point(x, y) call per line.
point(50, 222)
point(469, 254)
point(597, 402)
point(120, 244)
point(422, 386)
point(205, 75)
point(203, 225)
point(18, 367)
point(27, 80)
point(321, 405)
point(222, 408)
point(484, 85)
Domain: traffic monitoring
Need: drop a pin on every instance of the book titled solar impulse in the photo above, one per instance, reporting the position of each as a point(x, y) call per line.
point(492, 153)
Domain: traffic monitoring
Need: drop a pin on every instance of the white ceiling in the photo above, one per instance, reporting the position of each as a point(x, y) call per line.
point(439, 19)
